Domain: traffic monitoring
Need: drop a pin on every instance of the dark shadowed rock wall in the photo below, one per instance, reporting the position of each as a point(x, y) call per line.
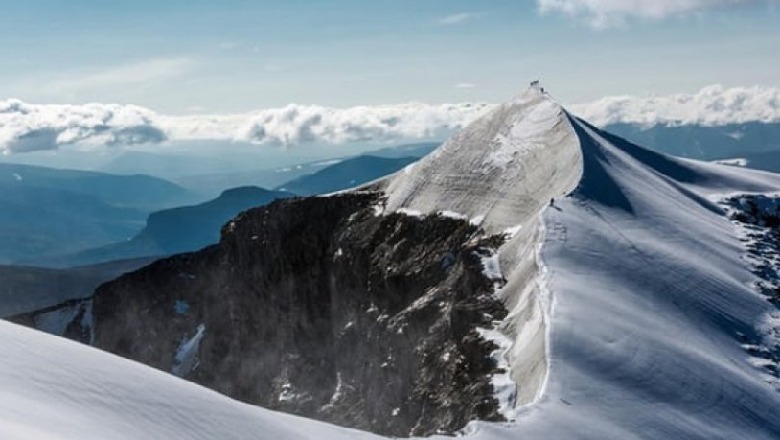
point(322, 308)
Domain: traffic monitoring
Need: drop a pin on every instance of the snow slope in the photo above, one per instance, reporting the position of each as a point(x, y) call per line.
point(55, 389)
point(648, 283)
point(627, 297)
point(651, 293)
point(501, 171)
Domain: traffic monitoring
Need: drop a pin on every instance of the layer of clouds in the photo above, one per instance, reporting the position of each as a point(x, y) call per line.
point(296, 124)
point(31, 127)
point(28, 127)
point(602, 13)
point(711, 106)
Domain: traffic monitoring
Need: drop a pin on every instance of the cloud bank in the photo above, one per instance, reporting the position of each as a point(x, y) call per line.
point(34, 127)
point(711, 106)
point(602, 13)
point(296, 124)
point(31, 127)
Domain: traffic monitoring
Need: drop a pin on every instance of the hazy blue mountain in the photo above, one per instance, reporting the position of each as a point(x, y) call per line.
point(213, 184)
point(704, 143)
point(172, 165)
point(46, 211)
point(764, 161)
point(36, 222)
point(25, 289)
point(177, 230)
point(346, 174)
point(192, 227)
point(63, 158)
point(409, 150)
point(134, 191)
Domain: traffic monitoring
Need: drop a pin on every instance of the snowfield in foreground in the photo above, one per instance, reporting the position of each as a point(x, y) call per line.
point(55, 389)
point(629, 301)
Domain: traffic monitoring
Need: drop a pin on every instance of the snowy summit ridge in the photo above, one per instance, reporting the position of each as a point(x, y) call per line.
point(642, 265)
point(630, 300)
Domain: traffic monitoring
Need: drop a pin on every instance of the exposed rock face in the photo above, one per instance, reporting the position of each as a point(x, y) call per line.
point(758, 217)
point(322, 308)
point(71, 319)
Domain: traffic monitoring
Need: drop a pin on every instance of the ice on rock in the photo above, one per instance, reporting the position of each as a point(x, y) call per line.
point(186, 358)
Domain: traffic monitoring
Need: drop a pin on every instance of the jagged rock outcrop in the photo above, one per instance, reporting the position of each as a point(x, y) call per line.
point(323, 308)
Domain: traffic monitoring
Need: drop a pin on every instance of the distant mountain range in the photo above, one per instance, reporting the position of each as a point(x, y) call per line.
point(703, 142)
point(25, 289)
point(346, 174)
point(45, 211)
point(176, 230)
point(764, 161)
point(138, 191)
point(62, 218)
point(213, 184)
point(407, 150)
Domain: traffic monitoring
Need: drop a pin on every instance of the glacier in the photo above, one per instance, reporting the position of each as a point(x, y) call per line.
point(627, 299)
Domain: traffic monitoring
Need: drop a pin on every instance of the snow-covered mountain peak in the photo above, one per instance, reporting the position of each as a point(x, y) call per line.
point(631, 307)
point(642, 258)
point(532, 93)
point(499, 170)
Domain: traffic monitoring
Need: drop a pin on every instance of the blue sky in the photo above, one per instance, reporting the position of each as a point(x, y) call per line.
point(180, 56)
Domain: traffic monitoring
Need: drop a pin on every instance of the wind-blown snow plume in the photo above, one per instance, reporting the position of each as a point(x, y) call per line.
point(603, 13)
point(712, 106)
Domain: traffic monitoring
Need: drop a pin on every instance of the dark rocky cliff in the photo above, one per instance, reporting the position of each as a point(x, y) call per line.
point(321, 307)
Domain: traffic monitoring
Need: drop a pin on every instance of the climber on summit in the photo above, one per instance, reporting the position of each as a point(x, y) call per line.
point(537, 84)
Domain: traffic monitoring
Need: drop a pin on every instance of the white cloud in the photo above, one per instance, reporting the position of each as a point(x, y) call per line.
point(454, 19)
point(465, 85)
point(296, 124)
point(27, 127)
point(602, 13)
point(30, 127)
point(711, 106)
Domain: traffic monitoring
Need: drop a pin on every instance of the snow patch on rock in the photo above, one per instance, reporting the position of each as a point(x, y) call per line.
point(504, 388)
point(186, 357)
